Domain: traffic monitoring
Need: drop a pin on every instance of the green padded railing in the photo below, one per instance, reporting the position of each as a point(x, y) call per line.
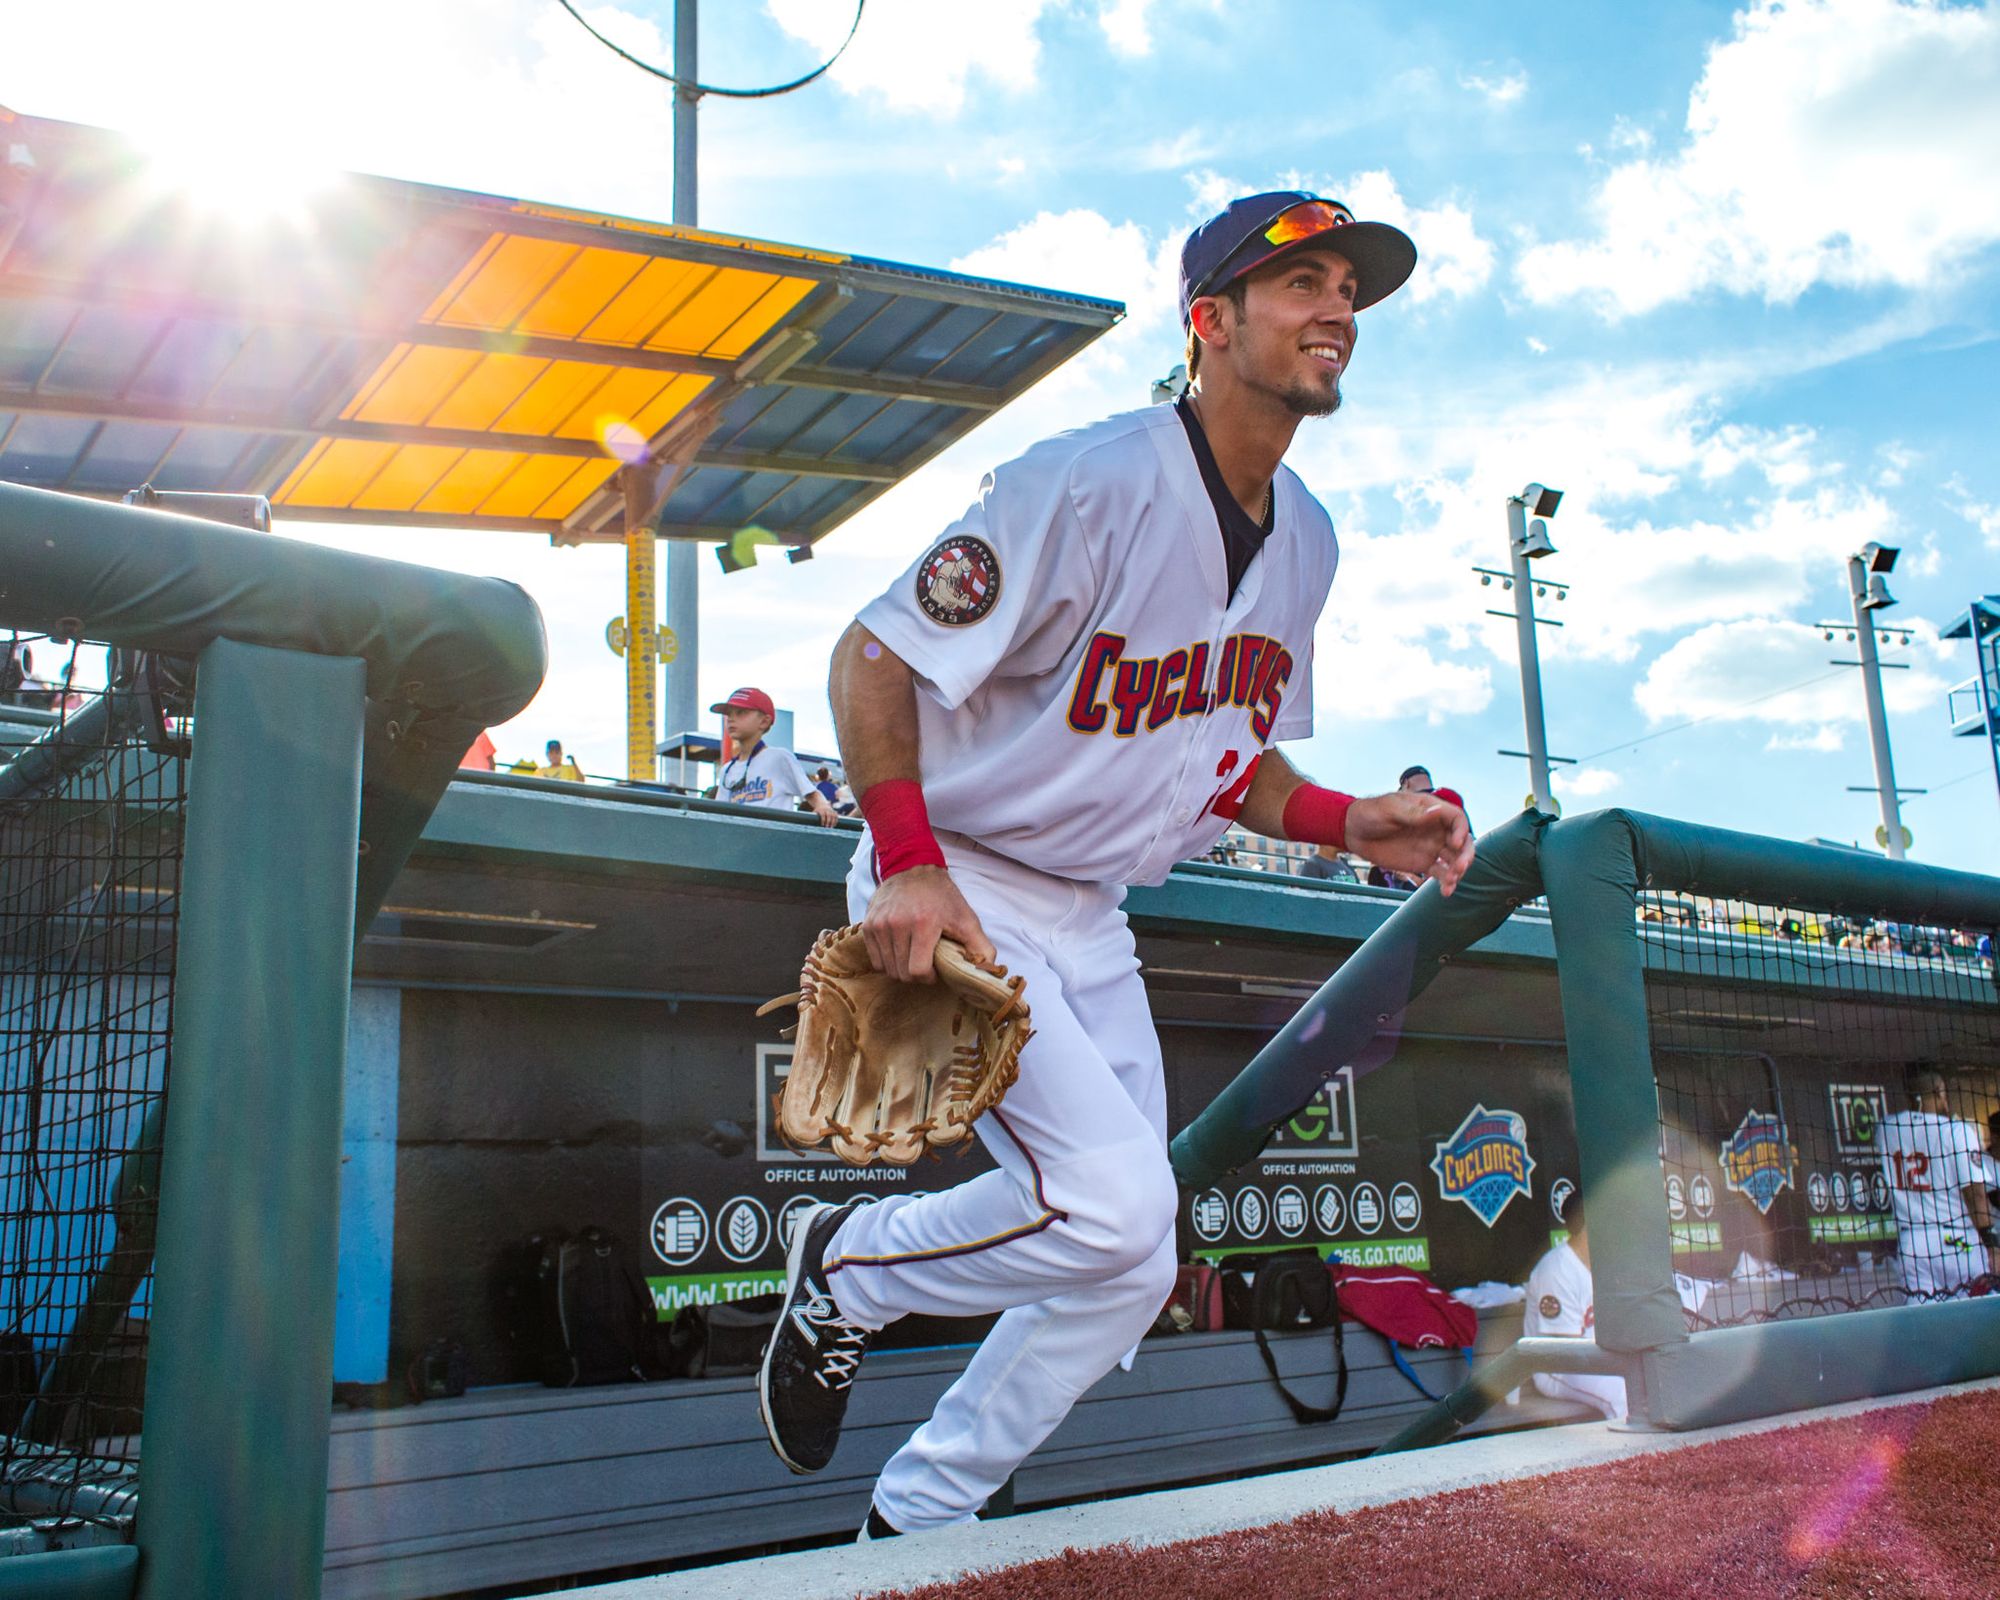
point(335, 695)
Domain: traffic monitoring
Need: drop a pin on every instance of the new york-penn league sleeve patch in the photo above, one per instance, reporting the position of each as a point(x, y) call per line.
point(958, 583)
point(1551, 1306)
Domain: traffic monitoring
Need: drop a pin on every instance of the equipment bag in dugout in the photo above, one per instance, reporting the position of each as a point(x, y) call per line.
point(575, 1310)
point(724, 1340)
point(887, 1069)
point(1285, 1290)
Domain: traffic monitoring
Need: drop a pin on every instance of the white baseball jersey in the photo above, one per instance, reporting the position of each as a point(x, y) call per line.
point(1093, 702)
point(1561, 1302)
point(1559, 1296)
point(769, 776)
point(1929, 1161)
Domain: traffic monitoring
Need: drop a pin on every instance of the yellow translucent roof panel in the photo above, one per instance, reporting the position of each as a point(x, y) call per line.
point(524, 491)
point(486, 392)
point(334, 473)
point(583, 289)
point(411, 383)
point(645, 303)
point(585, 481)
point(406, 477)
point(620, 398)
point(476, 474)
point(547, 403)
point(511, 277)
point(667, 404)
point(759, 318)
point(554, 290)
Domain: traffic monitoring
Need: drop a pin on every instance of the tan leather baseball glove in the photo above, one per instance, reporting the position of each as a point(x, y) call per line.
point(885, 1070)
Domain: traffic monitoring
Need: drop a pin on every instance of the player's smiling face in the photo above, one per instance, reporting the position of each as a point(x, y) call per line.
point(1296, 334)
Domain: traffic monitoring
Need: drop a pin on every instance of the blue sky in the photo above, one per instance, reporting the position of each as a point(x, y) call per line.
point(1726, 276)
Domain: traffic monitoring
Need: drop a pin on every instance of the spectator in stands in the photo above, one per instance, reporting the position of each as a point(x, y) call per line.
point(480, 757)
point(13, 669)
point(1936, 1170)
point(1327, 862)
point(755, 773)
point(1561, 1303)
point(823, 781)
point(558, 765)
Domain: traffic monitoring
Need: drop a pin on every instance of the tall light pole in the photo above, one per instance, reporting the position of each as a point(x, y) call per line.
point(683, 575)
point(1868, 589)
point(1529, 541)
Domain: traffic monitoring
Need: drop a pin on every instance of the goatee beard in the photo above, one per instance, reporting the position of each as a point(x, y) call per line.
point(1302, 401)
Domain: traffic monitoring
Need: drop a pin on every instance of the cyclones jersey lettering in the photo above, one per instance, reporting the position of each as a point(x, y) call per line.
point(1107, 610)
point(1133, 693)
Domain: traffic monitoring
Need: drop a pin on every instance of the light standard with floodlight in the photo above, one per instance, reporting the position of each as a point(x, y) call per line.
point(1528, 540)
point(1868, 588)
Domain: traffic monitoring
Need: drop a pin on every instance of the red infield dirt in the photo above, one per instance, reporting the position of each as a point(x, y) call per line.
point(1897, 1504)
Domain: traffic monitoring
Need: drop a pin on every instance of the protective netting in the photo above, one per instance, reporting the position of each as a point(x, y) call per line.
point(1802, 1176)
point(92, 791)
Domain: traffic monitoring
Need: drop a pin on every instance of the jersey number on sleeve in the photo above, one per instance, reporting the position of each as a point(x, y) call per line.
point(1227, 802)
point(1912, 1170)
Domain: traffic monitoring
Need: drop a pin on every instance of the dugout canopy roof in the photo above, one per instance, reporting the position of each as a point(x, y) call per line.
point(379, 351)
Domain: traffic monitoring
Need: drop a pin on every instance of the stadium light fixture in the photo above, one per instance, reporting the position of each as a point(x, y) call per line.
point(1528, 540)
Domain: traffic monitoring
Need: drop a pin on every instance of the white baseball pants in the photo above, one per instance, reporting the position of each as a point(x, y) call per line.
point(1937, 1261)
point(1072, 1238)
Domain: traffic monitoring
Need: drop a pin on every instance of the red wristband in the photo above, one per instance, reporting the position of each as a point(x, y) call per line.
point(1317, 816)
point(901, 825)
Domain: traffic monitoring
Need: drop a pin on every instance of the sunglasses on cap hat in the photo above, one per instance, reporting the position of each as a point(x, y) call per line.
point(1231, 244)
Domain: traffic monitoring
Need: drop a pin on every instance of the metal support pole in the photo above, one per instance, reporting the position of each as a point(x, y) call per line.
point(683, 574)
point(241, 1357)
point(1878, 717)
point(642, 709)
point(1531, 661)
point(686, 17)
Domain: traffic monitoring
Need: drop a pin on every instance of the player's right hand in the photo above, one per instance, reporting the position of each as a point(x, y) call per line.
point(906, 917)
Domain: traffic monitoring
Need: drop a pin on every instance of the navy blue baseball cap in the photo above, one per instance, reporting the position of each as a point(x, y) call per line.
point(1260, 227)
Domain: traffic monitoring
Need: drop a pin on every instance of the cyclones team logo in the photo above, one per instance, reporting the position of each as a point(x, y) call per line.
point(1486, 1163)
point(959, 581)
point(1757, 1159)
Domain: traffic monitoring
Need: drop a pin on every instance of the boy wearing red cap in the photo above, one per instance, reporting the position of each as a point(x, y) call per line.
point(755, 773)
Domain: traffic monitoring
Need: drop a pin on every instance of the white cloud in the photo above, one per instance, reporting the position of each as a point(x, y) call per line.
point(1782, 455)
point(1824, 739)
point(1584, 783)
point(1365, 674)
point(1497, 91)
point(1896, 459)
point(1745, 671)
point(1847, 142)
point(919, 56)
point(1981, 514)
point(1452, 259)
point(1537, 346)
point(1125, 25)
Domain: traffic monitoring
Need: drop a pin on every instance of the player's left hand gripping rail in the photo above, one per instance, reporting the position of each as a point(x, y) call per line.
point(446, 654)
point(1356, 1017)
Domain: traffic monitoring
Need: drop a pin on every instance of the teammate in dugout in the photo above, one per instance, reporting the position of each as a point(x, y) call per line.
point(1072, 690)
point(1944, 1225)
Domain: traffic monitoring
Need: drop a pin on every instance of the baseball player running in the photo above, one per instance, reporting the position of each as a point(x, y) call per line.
point(1072, 690)
point(1936, 1171)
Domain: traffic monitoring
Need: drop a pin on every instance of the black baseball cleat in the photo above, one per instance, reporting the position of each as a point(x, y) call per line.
point(809, 1363)
point(877, 1527)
